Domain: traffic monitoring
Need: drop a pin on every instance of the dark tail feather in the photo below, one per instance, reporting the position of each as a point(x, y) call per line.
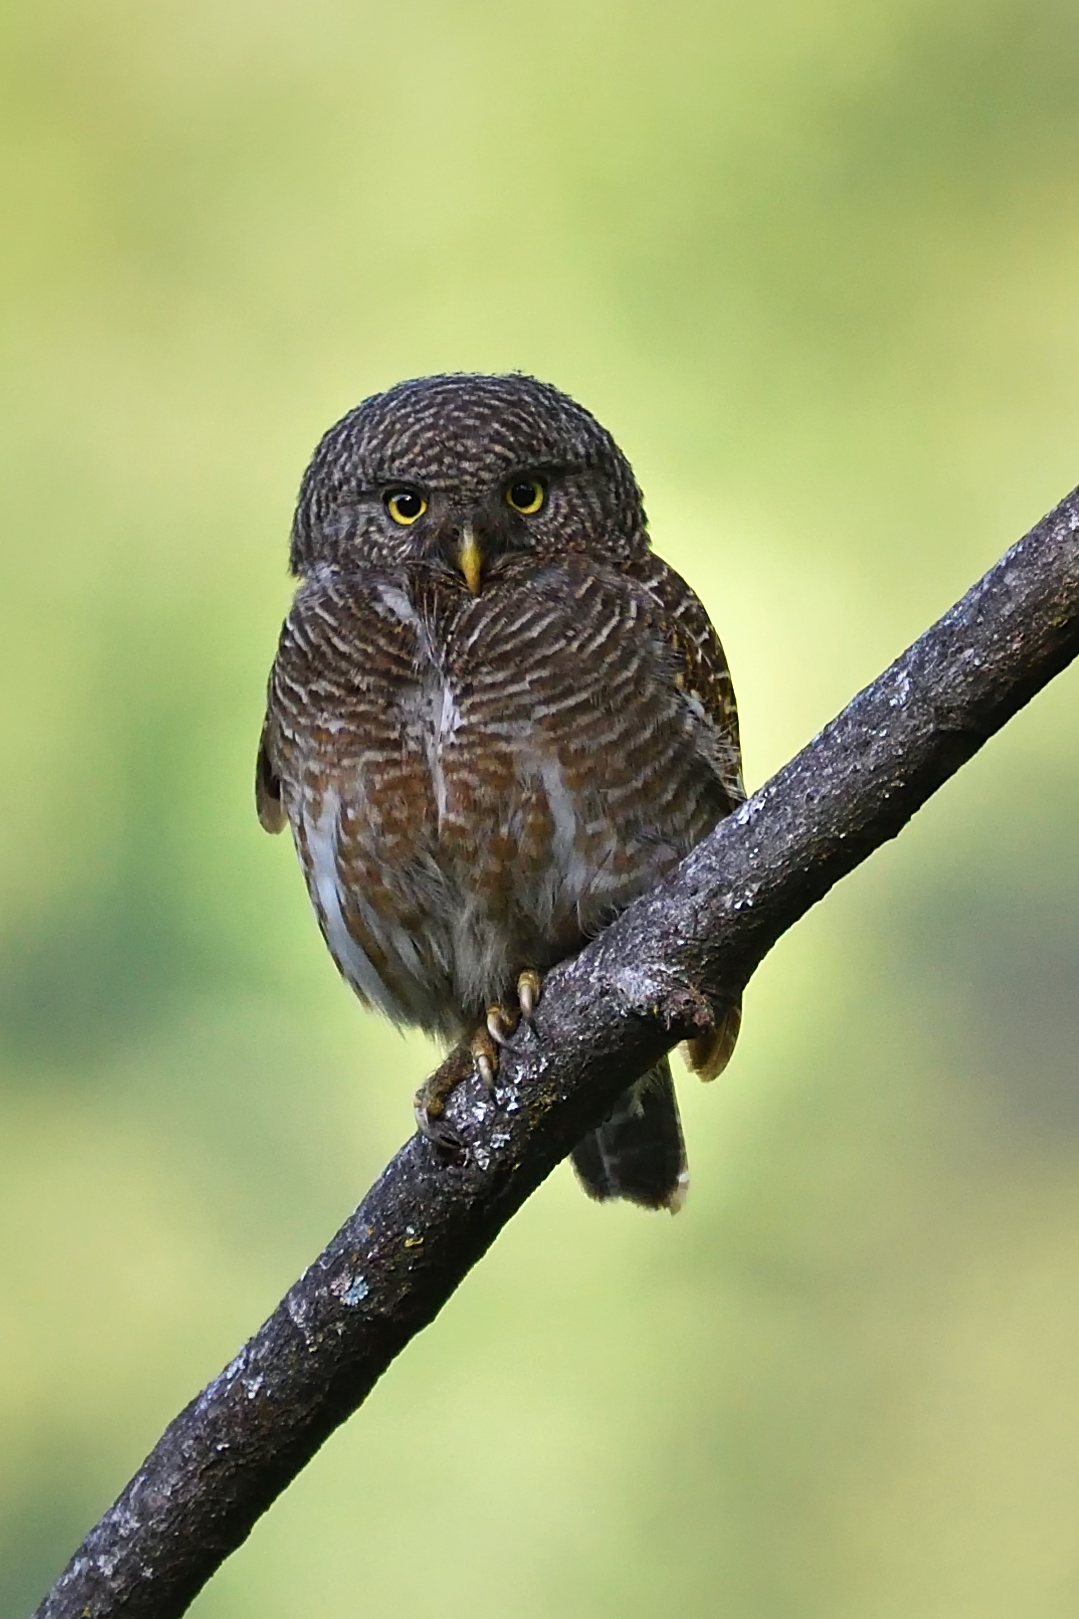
point(638, 1151)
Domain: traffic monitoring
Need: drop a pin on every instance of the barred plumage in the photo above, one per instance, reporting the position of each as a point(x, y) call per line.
point(490, 727)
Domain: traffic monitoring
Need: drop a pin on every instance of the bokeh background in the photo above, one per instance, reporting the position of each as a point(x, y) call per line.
point(816, 264)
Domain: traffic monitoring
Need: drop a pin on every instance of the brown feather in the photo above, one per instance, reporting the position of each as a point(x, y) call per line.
point(478, 781)
point(271, 811)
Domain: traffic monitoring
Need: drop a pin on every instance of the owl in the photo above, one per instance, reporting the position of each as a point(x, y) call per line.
point(495, 718)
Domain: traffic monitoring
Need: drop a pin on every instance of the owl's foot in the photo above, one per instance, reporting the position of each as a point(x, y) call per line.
point(429, 1105)
point(503, 1023)
point(478, 1056)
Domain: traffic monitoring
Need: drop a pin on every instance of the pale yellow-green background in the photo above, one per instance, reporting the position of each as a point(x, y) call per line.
point(817, 267)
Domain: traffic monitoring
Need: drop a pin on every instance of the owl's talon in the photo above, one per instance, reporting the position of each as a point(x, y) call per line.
point(431, 1099)
point(437, 1131)
point(529, 989)
point(484, 1049)
point(505, 1024)
point(500, 1027)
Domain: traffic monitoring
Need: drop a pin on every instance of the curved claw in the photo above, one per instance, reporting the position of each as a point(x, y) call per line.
point(501, 1027)
point(484, 1050)
point(435, 1129)
point(529, 989)
point(505, 1025)
point(508, 1040)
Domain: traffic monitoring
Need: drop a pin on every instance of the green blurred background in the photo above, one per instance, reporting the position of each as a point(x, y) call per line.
point(816, 265)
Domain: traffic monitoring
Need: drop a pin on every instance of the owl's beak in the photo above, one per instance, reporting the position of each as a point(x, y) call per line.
point(470, 558)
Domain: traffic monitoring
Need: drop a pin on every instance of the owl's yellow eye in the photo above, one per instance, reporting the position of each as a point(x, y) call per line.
point(405, 506)
point(525, 495)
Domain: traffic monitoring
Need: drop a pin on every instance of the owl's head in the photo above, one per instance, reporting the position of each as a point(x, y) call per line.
point(460, 471)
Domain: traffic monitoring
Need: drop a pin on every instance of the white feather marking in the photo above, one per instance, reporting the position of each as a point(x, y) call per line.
point(570, 866)
point(678, 1197)
point(449, 715)
point(325, 875)
point(445, 722)
point(394, 598)
point(396, 601)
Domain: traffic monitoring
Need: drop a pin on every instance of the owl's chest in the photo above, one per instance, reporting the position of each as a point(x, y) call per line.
point(484, 793)
point(472, 733)
point(527, 725)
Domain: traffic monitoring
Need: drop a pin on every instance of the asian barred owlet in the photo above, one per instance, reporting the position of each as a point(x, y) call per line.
point(494, 719)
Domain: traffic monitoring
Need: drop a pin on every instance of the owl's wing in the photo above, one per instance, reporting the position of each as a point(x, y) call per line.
point(700, 671)
point(699, 668)
point(271, 811)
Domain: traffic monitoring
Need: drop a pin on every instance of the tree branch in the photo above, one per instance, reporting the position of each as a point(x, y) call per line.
point(648, 981)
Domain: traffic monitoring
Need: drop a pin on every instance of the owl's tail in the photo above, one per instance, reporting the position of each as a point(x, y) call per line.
point(638, 1152)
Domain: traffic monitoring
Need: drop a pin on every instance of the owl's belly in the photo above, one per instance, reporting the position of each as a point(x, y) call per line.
point(494, 806)
point(538, 859)
point(516, 864)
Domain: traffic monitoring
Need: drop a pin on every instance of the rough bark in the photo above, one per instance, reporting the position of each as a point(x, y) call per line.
point(649, 980)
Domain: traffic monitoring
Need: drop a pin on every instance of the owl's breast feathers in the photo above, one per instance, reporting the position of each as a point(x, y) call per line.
point(478, 783)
